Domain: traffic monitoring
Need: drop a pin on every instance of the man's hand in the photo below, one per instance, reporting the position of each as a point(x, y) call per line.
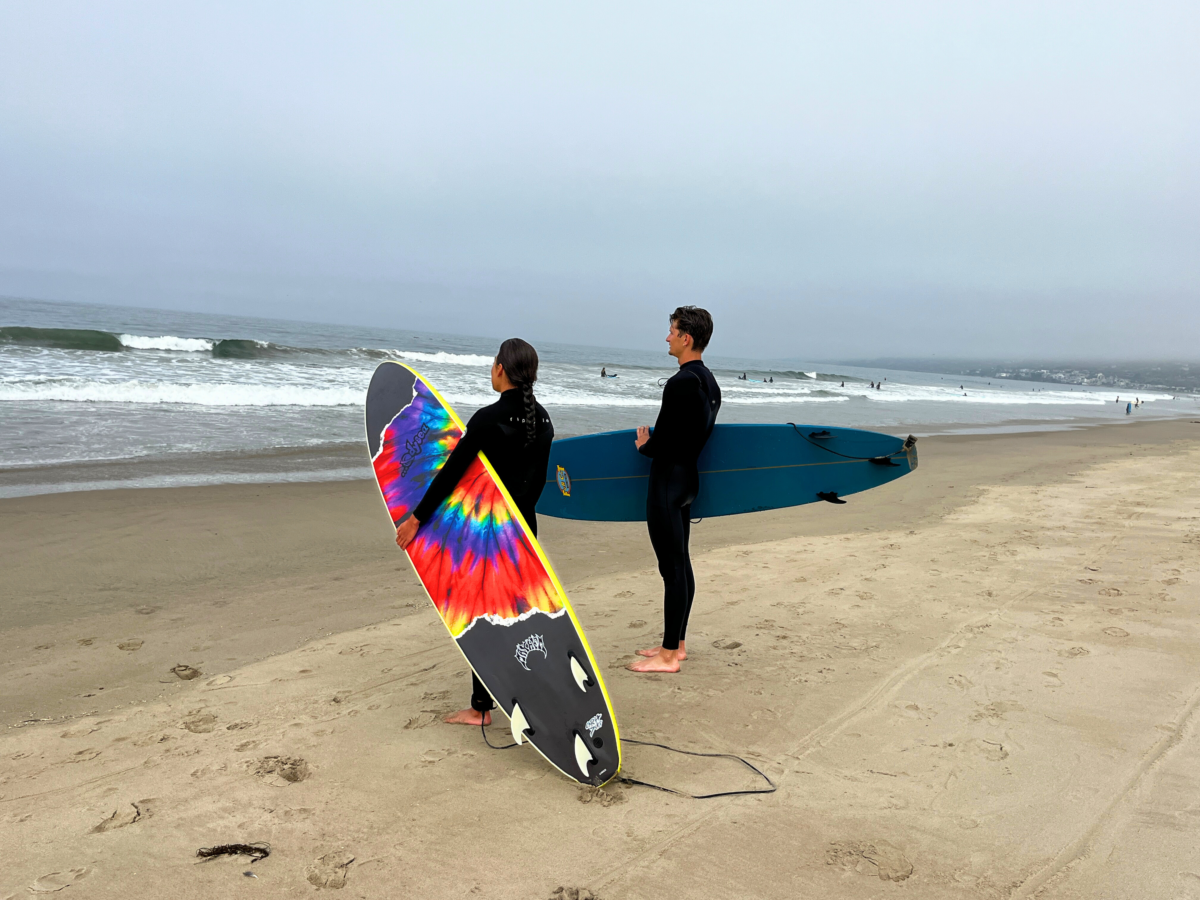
point(643, 435)
point(406, 532)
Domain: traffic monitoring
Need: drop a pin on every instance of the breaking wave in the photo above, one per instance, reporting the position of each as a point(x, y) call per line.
point(166, 342)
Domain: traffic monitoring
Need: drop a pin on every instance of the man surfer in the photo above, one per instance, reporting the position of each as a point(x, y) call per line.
point(515, 432)
point(691, 399)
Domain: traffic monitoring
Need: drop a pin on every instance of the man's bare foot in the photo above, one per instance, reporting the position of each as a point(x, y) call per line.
point(468, 717)
point(663, 661)
point(654, 651)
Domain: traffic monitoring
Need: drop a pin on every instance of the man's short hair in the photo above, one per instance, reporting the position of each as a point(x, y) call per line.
point(694, 321)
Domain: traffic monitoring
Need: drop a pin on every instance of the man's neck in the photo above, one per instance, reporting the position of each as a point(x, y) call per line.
point(690, 356)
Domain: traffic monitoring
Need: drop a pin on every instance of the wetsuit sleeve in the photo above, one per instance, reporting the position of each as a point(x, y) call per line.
point(681, 403)
point(452, 470)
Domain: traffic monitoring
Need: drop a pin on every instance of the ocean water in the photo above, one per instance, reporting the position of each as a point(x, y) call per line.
point(99, 396)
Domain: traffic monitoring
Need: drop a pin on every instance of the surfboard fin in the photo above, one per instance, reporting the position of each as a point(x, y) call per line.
point(830, 497)
point(582, 756)
point(518, 724)
point(581, 677)
point(883, 461)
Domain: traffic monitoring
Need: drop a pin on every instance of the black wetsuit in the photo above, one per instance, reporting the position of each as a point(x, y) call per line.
point(498, 431)
point(691, 399)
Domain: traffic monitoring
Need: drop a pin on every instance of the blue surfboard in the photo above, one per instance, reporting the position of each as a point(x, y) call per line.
point(744, 468)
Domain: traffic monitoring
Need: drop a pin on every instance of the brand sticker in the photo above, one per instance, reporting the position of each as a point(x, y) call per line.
point(594, 724)
point(564, 481)
point(531, 644)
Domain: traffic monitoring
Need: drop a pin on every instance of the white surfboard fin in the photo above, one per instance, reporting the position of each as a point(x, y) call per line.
point(581, 677)
point(582, 756)
point(517, 722)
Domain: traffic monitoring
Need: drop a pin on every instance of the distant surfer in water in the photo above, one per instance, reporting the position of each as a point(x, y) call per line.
point(515, 432)
point(690, 402)
point(603, 372)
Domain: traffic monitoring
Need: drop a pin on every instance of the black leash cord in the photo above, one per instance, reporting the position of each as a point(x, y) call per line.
point(907, 444)
point(770, 789)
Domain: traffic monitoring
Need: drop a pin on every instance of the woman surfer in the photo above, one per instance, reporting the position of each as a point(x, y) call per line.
point(515, 432)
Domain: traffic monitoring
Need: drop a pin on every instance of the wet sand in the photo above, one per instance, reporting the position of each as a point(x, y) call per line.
point(978, 681)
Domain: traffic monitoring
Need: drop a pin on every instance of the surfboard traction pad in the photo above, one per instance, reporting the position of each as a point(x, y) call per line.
point(490, 581)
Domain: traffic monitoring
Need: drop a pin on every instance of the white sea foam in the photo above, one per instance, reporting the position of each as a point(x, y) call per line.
point(216, 394)
point(165, 342)
point(445, 359)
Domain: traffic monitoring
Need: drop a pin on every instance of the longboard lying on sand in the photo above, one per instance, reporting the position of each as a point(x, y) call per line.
point(491, 583)
point(744, 468)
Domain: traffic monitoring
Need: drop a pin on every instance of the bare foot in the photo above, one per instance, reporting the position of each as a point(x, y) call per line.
point(663, 661)
point(654, 651)
point(468, 717)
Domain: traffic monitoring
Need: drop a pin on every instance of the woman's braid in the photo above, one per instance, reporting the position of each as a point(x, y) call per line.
point(530, 414)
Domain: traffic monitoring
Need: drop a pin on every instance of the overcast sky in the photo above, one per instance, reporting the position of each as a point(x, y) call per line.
point(832, 180)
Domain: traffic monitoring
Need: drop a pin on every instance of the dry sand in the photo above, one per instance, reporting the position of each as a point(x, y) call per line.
point(979, 681)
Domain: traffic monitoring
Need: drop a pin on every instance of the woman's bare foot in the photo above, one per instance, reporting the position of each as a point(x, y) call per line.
point(663, 661)
point(654, 651)
point(468, 717)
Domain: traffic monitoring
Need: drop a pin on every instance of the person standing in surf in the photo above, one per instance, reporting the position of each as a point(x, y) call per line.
point(515, 432)
point(690, 402)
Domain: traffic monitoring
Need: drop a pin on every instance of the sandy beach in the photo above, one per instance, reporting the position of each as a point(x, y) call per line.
point(979, 681)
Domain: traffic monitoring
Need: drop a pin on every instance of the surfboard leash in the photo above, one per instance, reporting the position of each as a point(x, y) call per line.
point(909, 443)
point(625, 779)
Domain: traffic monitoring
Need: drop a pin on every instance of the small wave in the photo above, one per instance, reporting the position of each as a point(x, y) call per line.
point(218, 394)
point(166, 342)
point(235, 348)
point(61, 338)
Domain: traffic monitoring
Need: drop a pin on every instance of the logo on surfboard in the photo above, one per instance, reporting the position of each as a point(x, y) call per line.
point(412, 449)
point(564, 481)
point(532, 644)
point(594, 724)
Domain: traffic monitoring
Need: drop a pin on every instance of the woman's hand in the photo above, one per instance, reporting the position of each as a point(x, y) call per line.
point(643, 435)
point(406, 532)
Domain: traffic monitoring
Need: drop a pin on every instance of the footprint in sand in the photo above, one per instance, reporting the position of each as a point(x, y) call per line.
point(573, 893)
point(1051, 680)
point(1109, 592)
point(623, 594)
point(1116, 632)
point(638, 623)
point(130, 646)
point(996, 711)
point(992, 750)
point(1074, 652)
point(281, 771)
point(146, 610)
point(199, 722)
point(185, 673)
point(726, 645)
point(424, 719)
point(56, 881)
point(879, 858)
point(330, 870)
point(135, 812)
point(605, 796)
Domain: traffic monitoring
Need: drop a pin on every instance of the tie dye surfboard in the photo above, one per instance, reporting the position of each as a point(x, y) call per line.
point(491, 583)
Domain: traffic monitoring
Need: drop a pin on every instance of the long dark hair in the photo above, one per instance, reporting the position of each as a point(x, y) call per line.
point(520, 363)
